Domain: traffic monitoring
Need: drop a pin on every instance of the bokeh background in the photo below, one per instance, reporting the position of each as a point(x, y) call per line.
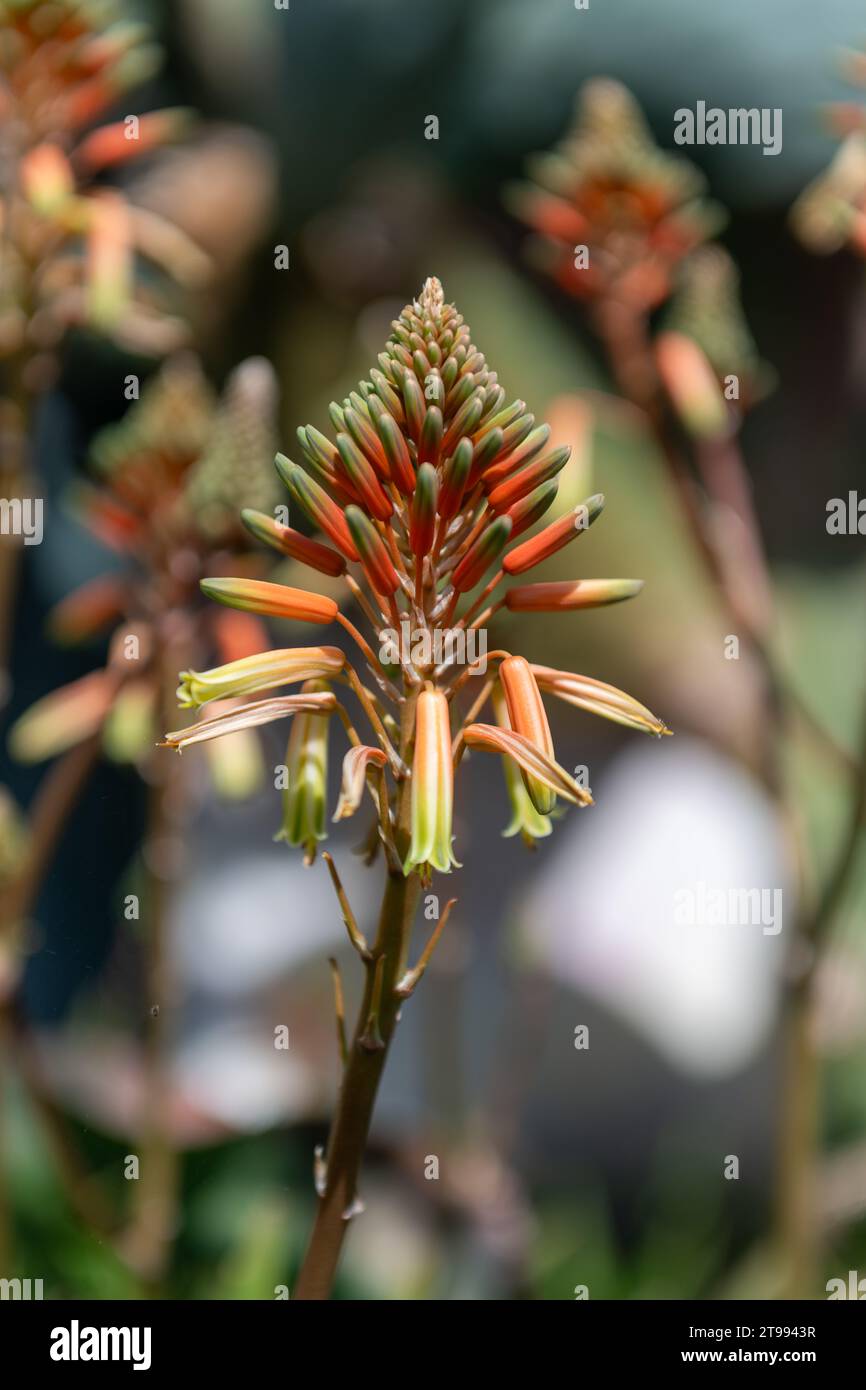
point(557, 1167)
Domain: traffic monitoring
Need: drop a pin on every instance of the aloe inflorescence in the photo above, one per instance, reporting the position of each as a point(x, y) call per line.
point(422, 500)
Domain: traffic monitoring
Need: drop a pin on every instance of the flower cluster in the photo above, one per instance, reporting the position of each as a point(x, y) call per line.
point(68, 246)
point(432, 481)
point(165, 497)
point(831, 211)
point(614, 214)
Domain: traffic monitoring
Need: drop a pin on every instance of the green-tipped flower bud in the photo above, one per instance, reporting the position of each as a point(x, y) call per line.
point(422, 522)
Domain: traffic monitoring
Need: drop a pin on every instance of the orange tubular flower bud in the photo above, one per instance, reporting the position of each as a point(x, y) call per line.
point(529, 478)
point(529, 759)
point(487, 448)
point(88, 610)
point(399, 458)
point(431, 436)
point(109, 259)
point(554, 537)
point(464, 421)
point(373, 552)
point(692, 387)
point(367, 440)
point(513, 434)
point(527, 717)
point(413, 400)
point(323, 461)
point(481, 555)
point(569, 594)
point(532, 507)
point(454, 479)
point(291, 542)
point(319, 507)
point(65, 717)
point(362, 478)
point(47, 178)
point(505, 467)
point(110, 144)
point(271, 600)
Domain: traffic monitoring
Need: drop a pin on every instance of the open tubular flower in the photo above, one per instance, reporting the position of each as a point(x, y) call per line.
point(430, 479)
point(305, 793)
point(526, 821)
point(432, 786)
point(265, 671)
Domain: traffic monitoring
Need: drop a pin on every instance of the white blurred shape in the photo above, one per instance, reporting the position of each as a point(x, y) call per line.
point(668, 817)
point(240, 923)
point(235, 1075)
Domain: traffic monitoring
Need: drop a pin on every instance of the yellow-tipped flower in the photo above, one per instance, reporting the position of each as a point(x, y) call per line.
point(599, 698)
point(526, 716)
point(263, 671)
point(432, 786)
point(305, 797)
point(526, 822)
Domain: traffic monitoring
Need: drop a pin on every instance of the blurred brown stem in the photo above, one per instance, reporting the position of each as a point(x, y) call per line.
point(148, 1240)
point(748, 599)
point(52, 805)
point(14, 483)
point(796, 1217)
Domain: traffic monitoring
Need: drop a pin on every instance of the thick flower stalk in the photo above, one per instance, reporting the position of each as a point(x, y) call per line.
point(432, 474)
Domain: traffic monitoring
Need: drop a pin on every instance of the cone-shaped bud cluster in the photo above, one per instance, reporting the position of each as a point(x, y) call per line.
point(430, 475)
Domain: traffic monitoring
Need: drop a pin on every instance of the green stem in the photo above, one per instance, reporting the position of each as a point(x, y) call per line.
point(363, 1072)
point(797, 1150)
